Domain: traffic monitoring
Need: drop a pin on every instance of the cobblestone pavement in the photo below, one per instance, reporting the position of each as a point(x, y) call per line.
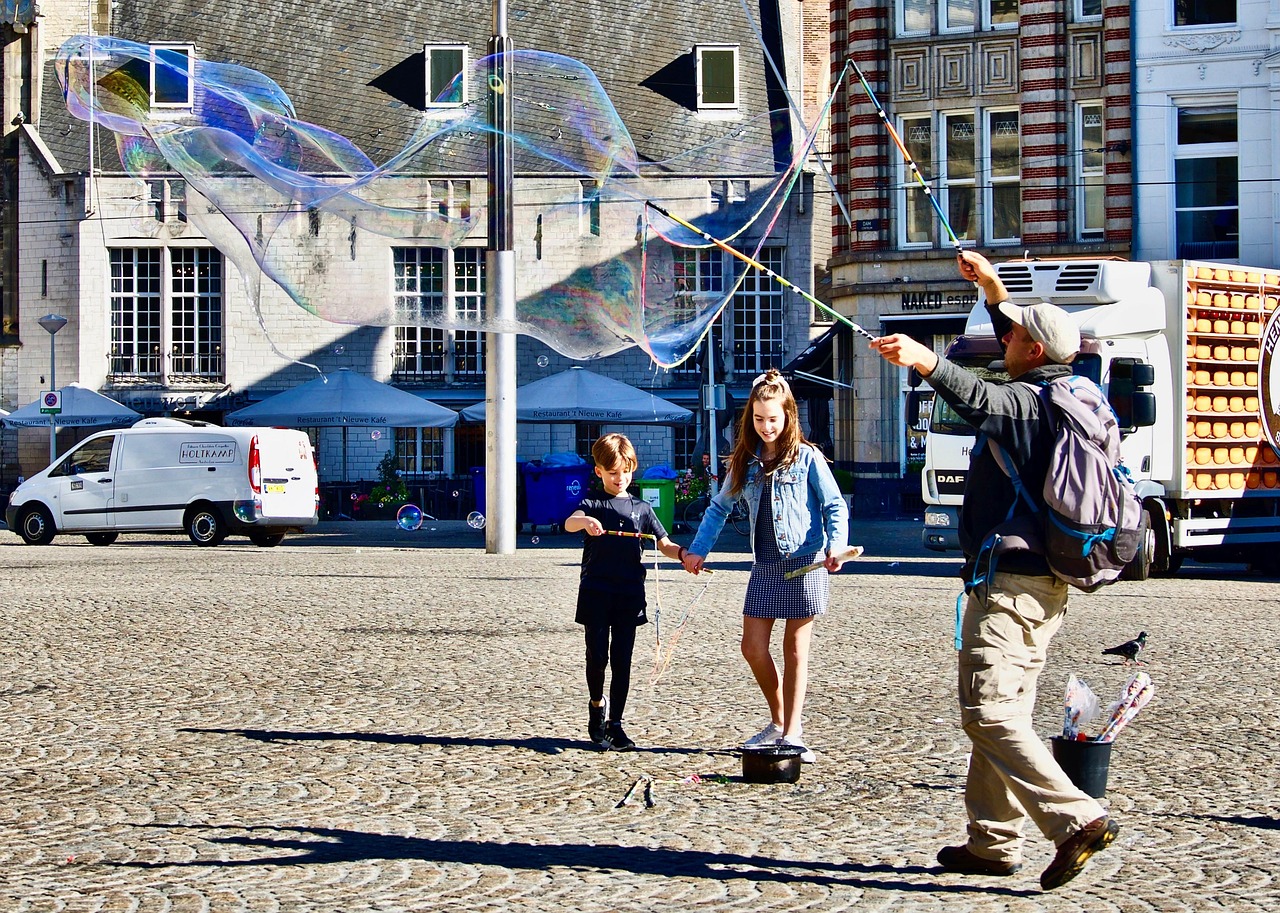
point(369, 719)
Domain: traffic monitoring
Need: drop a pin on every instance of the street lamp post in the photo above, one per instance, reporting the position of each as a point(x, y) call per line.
point(52, 323)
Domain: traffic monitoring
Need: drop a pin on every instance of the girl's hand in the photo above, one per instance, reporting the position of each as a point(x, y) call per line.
point(693, 562)
point(833, 563)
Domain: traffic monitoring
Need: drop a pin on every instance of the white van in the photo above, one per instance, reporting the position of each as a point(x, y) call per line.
point(169, 475)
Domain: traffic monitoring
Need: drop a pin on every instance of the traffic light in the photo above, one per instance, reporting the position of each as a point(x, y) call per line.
point(1134, 407)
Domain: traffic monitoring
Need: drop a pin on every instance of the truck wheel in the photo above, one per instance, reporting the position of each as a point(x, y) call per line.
point(1163, 562)
point(101, 538)
point(1140, 567)
point(35, 526)
point(204, 525)
point(265, 539)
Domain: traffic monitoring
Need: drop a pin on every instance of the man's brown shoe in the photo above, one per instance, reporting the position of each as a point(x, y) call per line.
point(1077, 850)
point(958, 859)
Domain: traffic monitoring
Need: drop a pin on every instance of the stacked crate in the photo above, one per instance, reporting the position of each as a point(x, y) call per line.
point(1227, 309)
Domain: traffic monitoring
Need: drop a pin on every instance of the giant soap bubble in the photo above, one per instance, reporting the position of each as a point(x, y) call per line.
point(305, 207)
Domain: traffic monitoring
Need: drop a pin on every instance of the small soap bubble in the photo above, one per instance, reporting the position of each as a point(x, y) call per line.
point(376, 435)
point(409, 517)
point(475, 520)
point(339, 349)
point(535, 540)
point(455, 494)
point(543, 361)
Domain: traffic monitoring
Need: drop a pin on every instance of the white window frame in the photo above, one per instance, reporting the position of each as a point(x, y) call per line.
point(1087, 175)
point(759, 314)
point(909, 184)
point(699, 52)
point(993, 181)
point(428, 52)
point(1235, 21)
point(1082, 16)
point(900, 17)
point(945, 182)
point(189, 51)
point(1202, 151)
point(188, 314)
point(422, 451)
point(462, 289)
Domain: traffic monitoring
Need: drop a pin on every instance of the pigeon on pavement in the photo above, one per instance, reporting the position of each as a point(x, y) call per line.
point(1130, 649)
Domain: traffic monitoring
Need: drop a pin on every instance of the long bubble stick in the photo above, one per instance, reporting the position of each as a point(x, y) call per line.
point(847, 555)
point(906, 156)
point(623, 532)
point(760, 266)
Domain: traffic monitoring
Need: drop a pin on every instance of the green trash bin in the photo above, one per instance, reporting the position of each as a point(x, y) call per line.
point(661, 493)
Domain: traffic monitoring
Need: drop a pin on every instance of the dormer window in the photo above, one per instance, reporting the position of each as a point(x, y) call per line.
point(445, 65)
point(717, 76)
point(170, 74)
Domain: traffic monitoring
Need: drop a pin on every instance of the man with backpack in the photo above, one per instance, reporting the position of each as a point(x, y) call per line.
point(1015, 603)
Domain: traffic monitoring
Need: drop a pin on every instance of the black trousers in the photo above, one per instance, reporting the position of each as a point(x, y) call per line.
point(610, 646)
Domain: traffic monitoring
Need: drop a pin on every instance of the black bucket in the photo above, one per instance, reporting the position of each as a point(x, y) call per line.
point(771, 764)
point(1086, 764)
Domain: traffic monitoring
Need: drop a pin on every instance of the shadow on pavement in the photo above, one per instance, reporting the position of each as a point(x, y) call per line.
point(320, 845)
point(542, 746)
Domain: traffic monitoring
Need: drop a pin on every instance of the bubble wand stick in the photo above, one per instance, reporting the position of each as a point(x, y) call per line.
point(760, 266)
point(847, 555)
point(906, 156)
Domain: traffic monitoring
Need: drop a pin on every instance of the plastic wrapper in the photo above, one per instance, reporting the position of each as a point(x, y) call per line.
point(1079, 707)
point(1135, 695)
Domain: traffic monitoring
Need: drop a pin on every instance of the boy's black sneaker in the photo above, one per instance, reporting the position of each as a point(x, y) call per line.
point(615, 739)
point(595, 723)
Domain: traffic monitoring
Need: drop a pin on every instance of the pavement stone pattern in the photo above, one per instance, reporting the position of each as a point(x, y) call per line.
point(369, 719)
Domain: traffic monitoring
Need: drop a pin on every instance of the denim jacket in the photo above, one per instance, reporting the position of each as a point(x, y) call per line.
point(809, 513)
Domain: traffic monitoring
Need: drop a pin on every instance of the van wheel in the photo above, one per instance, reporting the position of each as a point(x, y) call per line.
point(101, 538)
point(35, 526)
point(204, 525)
point(266, 540)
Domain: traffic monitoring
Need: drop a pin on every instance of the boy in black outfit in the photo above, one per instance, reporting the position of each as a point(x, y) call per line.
point(611, 603)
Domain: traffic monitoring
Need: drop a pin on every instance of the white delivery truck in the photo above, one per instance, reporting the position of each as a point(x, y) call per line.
point(170, 475)
point(1186, 353)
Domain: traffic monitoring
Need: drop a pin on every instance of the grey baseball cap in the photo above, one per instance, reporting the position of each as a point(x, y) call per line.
point(1048, 325)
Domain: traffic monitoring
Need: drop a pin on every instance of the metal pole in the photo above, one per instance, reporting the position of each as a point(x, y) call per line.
point(52, 323)
point(500, 378)
point(53, 385)
point(713, 433)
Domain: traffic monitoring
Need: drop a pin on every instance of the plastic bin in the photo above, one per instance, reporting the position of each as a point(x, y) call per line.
point(1086, 764)
point(477, 487)
point(661, 494)
point(553, 492)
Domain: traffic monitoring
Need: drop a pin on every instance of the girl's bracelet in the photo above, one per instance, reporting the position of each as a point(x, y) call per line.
point(683, 551)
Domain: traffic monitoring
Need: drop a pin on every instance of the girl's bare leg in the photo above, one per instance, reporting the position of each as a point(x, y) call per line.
point(795, 673)
point(755, 650)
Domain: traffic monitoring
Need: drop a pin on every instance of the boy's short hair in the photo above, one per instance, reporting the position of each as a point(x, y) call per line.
point(612, 450)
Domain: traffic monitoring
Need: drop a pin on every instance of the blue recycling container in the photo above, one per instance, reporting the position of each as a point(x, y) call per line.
point(553, 492)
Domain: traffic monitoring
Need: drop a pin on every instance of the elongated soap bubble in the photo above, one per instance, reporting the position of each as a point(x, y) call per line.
point(305, 207)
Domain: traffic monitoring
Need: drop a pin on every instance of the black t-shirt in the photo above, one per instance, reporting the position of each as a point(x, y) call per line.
point(615, 564)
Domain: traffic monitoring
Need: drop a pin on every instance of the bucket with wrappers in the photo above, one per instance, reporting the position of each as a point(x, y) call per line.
point(1086, 760)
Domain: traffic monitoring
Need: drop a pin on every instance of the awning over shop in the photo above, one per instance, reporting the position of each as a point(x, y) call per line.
point(812, 372)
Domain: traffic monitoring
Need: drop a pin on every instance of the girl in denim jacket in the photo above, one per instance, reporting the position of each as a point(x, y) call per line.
point(803, 521)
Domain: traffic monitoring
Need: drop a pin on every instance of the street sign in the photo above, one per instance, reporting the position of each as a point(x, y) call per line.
point(51, 402)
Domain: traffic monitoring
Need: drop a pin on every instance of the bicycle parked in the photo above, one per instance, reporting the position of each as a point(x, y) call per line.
point(739, 517)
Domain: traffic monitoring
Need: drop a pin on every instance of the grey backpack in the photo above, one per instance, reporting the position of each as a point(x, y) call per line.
point(1092, 523)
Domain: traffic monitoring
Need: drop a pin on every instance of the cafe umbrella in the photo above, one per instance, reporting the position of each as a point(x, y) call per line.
point(343, 399)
